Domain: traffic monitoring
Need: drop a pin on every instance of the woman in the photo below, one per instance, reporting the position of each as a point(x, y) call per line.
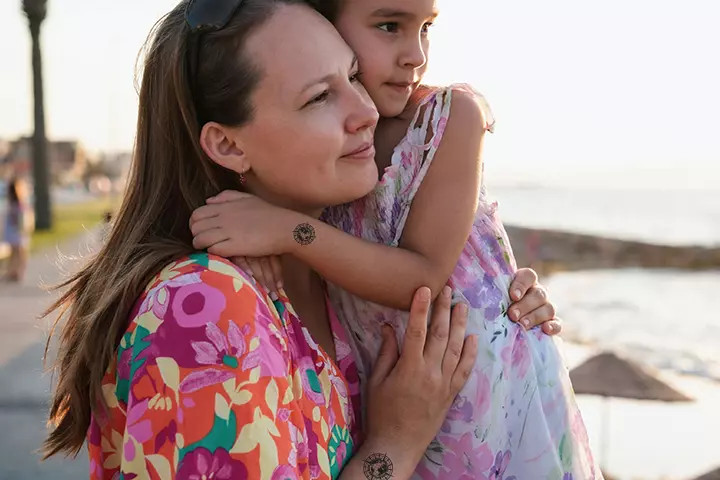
point(173, 363)
point(18, 225)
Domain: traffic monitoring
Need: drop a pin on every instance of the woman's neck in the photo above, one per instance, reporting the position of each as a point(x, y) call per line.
point(299, 279)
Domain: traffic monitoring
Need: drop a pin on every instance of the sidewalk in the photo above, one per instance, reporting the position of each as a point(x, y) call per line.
point(24, 389)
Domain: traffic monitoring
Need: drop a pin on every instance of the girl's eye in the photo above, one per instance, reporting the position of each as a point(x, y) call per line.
point(390, 27)
point(318, 98)
point(426, 28)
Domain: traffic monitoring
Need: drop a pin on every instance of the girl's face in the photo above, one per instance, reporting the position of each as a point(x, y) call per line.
point(390, 38)
point(309, 144)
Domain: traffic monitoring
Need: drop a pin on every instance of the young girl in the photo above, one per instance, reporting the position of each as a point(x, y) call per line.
point(18, 223)
point(428, 219)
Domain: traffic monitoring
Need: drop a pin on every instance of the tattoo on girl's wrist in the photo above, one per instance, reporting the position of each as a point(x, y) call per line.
point(378, 467)
point(304, 234)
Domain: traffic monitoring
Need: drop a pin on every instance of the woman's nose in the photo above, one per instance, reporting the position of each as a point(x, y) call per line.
point(363, 113)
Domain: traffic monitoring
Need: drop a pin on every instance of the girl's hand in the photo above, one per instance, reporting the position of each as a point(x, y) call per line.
point(267, 271)
point(532, 306)
point(235, 224)
point(410, 393)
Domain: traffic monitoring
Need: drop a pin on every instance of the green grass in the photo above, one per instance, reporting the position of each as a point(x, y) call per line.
point(70, 221)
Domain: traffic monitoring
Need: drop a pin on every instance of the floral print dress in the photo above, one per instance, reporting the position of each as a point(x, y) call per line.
point(516, 418)
point(214, 380)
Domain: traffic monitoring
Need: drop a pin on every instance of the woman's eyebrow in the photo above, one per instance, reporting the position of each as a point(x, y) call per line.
point(328, 78)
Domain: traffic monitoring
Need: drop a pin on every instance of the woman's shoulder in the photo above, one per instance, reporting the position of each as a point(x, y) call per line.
point(201, 289)
point(201, 265)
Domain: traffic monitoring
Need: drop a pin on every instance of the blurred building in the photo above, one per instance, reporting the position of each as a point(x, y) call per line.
point(67, 159)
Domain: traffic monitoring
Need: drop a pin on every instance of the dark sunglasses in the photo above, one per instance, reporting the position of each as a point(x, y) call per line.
point(205, 16)
point(210, 15)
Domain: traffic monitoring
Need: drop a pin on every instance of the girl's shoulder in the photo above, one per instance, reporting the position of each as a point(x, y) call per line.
point(441, 99)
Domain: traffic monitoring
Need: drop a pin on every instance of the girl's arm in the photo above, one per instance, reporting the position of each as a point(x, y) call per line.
point(437, 228)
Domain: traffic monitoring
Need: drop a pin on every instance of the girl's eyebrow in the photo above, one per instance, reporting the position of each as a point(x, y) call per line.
point(394, 13)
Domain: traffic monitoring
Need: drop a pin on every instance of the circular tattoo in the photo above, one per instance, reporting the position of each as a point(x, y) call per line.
point(378, 467)
point(304, 234)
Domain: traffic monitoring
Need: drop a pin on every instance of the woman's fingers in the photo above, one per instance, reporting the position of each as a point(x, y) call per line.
point(276, 267)
point(524, 280)
point(267, 274)
point(456, 339)
point(439, 330)
point(465, 365)
point(414, 341)
point(387, 358)
point(243, 264)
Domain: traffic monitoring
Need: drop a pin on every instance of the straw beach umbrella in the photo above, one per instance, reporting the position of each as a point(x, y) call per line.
point(607, 375)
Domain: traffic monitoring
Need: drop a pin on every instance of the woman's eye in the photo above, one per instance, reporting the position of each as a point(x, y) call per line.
point(355, 77)
point(391, 27)
point(318, 98)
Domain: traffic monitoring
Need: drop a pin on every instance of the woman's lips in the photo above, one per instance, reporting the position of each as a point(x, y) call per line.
point(364, 152)
point(401, 87)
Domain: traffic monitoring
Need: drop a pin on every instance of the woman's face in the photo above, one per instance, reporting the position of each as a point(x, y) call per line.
point(310, 142)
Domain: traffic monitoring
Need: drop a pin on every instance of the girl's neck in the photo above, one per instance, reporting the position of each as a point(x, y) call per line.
point(391, 130)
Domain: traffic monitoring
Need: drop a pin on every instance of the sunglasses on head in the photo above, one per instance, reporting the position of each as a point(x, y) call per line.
point(210, 15)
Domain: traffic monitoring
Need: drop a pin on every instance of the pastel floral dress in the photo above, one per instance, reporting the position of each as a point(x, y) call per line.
point(516, 418)
point(213, 380)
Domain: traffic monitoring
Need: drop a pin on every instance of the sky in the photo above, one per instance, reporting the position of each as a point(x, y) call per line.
point(620, 90)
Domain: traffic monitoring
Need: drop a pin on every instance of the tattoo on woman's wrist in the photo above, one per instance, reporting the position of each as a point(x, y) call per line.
point(304, 234)
point(378, 467)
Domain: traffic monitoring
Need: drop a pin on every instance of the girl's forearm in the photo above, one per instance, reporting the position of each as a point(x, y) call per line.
point(385, 275)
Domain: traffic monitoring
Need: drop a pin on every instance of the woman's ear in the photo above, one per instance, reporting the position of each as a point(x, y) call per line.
point(222, 145)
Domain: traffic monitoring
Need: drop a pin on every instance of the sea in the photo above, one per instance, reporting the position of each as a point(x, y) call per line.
point(667, 318)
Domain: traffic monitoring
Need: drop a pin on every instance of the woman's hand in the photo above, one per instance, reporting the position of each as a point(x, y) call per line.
point(411, 392)
point(267, 271)
point(532, 306)
point(235, 224)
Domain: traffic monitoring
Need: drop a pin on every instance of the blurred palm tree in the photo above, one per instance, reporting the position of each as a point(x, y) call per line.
point(35, 10)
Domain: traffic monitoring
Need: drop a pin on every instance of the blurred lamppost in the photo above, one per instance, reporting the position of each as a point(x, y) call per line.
point(35, 11)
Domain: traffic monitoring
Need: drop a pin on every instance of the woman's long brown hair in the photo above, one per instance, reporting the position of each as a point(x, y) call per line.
point(169, 178)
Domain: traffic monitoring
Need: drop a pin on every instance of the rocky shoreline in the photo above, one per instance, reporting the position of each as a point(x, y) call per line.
point(549, 251)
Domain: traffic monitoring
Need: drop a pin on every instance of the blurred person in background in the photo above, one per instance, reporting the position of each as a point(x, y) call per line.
point(19, 222)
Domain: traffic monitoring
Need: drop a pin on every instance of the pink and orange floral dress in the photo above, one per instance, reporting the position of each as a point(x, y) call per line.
point(213, 379)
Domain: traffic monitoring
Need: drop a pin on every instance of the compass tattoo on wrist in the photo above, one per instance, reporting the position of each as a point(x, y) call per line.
point(378, 467)
point(304, 234)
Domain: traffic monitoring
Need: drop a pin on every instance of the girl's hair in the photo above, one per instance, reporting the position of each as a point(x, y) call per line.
point(169, 178)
